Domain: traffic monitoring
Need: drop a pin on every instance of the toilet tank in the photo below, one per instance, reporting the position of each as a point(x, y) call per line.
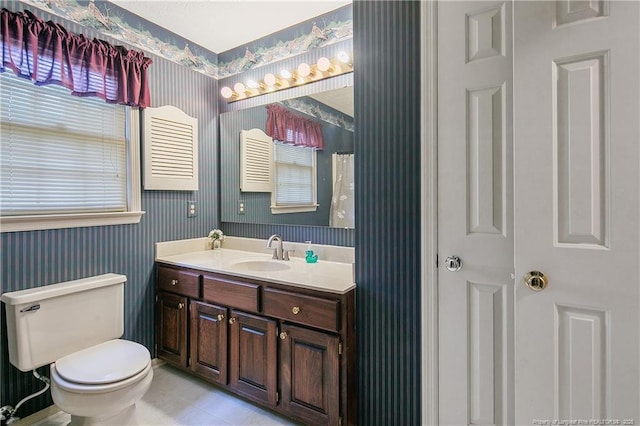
point(49, 322)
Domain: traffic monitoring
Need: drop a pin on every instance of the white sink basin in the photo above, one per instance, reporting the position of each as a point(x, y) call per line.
point(260, 266)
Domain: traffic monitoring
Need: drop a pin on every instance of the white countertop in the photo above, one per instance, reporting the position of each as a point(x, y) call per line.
point(325, 275)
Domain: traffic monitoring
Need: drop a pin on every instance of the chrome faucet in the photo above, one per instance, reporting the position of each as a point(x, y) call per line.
point(279, 253)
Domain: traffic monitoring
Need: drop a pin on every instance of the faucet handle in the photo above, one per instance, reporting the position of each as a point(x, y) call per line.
point(285, 253)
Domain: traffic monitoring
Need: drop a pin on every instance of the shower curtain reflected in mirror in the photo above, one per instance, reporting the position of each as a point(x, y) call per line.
point(342, 214)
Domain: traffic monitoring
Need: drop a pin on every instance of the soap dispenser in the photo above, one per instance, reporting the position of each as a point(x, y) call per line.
point(310, 257)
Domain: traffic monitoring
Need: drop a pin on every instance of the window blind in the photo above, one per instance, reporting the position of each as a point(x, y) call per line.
point(294, 170)
point(59, 153)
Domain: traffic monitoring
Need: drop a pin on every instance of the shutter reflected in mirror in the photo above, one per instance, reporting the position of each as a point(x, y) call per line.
point(256, 158)
point(170, 149)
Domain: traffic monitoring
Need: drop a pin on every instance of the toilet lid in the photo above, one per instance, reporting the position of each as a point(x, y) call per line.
point(106, 362)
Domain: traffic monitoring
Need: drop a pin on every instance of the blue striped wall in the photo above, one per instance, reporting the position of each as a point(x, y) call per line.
point(32, 259)
point(387, 246)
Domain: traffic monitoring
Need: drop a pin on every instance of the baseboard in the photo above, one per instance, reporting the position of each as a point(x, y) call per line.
point(39, 416)
point(157, 362)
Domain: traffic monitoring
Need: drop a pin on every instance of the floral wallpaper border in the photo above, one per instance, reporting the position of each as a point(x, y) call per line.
point(317, 109)
point(116, 22)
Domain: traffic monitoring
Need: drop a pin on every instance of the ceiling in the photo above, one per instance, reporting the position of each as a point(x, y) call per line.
point(220, 25)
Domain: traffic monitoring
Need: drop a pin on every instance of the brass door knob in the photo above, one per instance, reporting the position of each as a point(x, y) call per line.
point(174, 282)
point(283, 335)
point(232, 320)
point(536, 280)
point(220, 317)
point(180, 305)
point(295, 310)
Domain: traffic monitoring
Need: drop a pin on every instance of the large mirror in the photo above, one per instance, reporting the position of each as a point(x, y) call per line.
point(333, 169)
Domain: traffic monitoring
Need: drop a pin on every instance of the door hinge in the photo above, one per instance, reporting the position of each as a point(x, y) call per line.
point(277, 397)
point(340, 421)
point(437, 261)
point(339, 348)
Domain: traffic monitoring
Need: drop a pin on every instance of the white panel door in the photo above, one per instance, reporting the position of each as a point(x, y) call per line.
point(475, 213)
point(576, 138)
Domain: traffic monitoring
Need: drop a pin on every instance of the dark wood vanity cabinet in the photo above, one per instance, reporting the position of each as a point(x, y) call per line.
point(208, 342)
point(253, 357)
point(310, 374)
point(287, 348)
point(171, 328)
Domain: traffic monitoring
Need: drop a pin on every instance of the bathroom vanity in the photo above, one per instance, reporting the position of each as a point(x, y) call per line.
point(280, 333)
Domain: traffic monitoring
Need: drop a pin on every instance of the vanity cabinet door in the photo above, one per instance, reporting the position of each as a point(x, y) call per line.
point(253, 356)
point(310, 375)
point(208, 354)
point(171, 332)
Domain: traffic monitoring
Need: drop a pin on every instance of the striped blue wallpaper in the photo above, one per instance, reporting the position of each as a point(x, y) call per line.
point(387, 173)
point(32, 259)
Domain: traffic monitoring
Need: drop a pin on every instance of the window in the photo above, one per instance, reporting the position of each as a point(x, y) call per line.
point(65, 161)
point(295, 179)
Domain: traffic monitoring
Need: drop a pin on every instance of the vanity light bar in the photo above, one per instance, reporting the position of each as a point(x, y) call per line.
point(305, 73)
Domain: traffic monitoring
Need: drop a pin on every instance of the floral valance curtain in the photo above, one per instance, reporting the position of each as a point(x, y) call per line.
point(47, 53)
point(287, 127)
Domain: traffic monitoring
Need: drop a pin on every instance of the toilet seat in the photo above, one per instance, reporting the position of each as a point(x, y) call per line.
point(104, 367)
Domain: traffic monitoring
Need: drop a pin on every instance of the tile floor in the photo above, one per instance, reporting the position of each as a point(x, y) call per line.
point(177, 398)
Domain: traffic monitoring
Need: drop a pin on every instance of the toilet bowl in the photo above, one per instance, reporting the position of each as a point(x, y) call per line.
point(99, 384)
point(75, 327)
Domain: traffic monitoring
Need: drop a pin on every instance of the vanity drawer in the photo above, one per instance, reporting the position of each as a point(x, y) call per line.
point(177, 281)
point(308, 310)
point(234, 294)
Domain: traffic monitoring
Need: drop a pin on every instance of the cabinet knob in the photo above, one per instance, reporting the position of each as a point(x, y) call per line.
point(174, 282)
point(283, 335)
point(232, 320)
point(220, 317)
point(295, 310)
point(180, 305)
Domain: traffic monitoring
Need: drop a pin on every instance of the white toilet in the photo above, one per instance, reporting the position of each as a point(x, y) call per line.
point(75, 326)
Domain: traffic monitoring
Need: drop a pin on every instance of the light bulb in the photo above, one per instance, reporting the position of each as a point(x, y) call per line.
point(226, 92)
point(269, 79)
point(343, 57)
point(239, 88)
point(285, 74)
point(324, 64)
point(304, 70)
point(252, 84)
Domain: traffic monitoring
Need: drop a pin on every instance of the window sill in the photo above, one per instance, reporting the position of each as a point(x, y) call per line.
point(58, 221)
point(294, 209)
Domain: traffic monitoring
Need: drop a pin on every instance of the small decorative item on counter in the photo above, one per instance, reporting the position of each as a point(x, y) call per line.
point(216, 236)
point(310, 257)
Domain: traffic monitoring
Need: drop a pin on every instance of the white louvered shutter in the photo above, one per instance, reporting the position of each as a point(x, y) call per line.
point(256, 153)
point(170, 149)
